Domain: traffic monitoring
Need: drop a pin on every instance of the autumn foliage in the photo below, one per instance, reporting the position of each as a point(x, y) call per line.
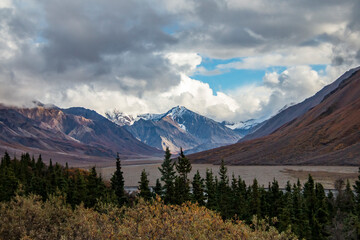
point(31, 218)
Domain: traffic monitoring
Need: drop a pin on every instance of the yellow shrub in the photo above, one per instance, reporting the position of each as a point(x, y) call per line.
point(30, 218)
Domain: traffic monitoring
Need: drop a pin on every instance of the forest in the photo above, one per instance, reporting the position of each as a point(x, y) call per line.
point(39, 201)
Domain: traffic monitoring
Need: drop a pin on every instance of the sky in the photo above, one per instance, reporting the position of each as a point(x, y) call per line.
point(230, 60)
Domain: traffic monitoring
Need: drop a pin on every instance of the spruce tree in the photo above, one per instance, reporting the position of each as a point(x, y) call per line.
point(8, 183)
point(224, 192)
point(321, 215)
point(92, 188)
point(158, 188)
point(210, 190)
point(144, 189)
point(285, 217)
point(242, 202)
point(80, 189)
point(198, 189)
point(275, 197)
point(117, 182)
point(168, 177)
point(182, 183)
point(6, 160)
point(310, 207)
point(255, 207)
point(357, 194)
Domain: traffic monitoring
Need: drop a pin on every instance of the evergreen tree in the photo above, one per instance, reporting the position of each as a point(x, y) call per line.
point(40, 166)
point(210, 190)
point(158, 188)
point(92, 188)
point(80, 189)
point(241, 201)
point(144, 189)
point(255, 207)
point(224, 193)
point(275, 197)
point(321, 214)
point(198, 189)
point(349, 199)
point(5, 160)
point(117, 182)
point(8, 182)
point(168, 177)
point(357, 194)
point(182, 183)
point(285, 217)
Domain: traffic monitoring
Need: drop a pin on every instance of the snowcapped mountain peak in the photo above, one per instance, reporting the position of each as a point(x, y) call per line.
point(176, 112)
point(120, 118)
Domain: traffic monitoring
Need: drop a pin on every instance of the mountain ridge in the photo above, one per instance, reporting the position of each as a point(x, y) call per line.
point(69, 133)
point(294, 111)
point(327, 134)
point(178, 128)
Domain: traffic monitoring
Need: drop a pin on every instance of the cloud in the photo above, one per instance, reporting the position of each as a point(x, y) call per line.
point(137, 56)
point(278, 89)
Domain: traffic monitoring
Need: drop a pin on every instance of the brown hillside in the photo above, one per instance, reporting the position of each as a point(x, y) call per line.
point(328, 134)
point(76, 135)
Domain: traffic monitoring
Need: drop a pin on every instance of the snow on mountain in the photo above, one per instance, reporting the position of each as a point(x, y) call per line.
point(177, 128)
point(120, 118)
point(123, 119)
point(176, 112)
point(242, 124)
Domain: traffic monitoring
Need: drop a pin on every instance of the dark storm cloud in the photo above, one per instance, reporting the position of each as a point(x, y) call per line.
point(86, 31)
point(263, 25)
point(49, 47)
point(105, 41)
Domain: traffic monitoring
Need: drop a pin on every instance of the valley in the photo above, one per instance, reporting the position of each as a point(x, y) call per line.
point(325, 175)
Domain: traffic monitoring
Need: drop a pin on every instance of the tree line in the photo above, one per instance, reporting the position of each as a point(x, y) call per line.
point(307, 210)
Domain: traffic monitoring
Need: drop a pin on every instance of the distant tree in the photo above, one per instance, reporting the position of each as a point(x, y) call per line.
point(8, 183)
point(224, 192)
point(357, 194)
point(285, 217)
point(275, 198)
point(198, 189)
point(168, 177)
point(210, 190)
point(144, 189)
point(40, 166)
point(182, 183)
point(80, 189)
point(255, 206)
point(158, 188)
point(117, 182)
point(92, 188)
point(5, 160)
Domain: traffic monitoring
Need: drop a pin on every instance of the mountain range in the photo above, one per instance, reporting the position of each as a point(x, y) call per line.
point(322, 130)
point(179, 128)
point(77, 135)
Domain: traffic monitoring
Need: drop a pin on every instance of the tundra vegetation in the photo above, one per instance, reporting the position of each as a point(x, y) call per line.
point(39, 201)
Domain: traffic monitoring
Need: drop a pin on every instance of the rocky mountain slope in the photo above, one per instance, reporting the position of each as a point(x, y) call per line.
point(327, 134)
point(75, 134)
point(179, 127)
point(292, 112)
